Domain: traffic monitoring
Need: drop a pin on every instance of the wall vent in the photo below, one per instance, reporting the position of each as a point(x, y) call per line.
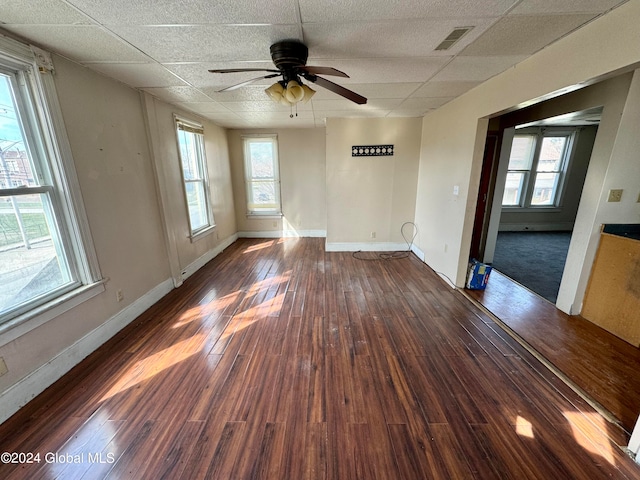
point(453, 38)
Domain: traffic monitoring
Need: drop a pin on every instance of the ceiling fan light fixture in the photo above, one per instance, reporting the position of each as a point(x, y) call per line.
point(308, 93)
point(275, 92)
point(294, 92)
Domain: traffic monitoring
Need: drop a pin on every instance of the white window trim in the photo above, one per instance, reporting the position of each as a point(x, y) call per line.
point(540, 133)
point(195, 235)
point(39, 66)
point(277, 213)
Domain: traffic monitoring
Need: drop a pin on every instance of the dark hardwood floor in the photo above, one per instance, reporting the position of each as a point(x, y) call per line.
point(278, 360)
point(600, 364)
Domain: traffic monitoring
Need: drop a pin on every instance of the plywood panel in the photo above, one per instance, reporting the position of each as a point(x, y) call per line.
point(613, 296)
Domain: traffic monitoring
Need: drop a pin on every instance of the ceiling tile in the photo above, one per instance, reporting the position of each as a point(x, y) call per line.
point(211, 43)
point(424, 103)
point(358, 10)
point(528, 7)
point(178, 94)
point(403, 112)
point(372, 90)
point(41, 12)
point(205, 107)
point(339, 103)
point(407, 38)
point(520, 35)
point(198, 75)
point(476, 69)
point(387, 70)
point(265, 106)
point(444, 89)
point(138, 74)
point(170, 12)
point(83, 43)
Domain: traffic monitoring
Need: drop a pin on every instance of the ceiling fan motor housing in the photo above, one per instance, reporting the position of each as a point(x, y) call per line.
point(287, 54)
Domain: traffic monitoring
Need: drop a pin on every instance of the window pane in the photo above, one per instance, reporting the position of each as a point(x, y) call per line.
point(522, 152)
point(32, 262)
point(16, 169)
point(513, 188)
point(197, 204)
point(263, 195)
point(544, 190)
point(551, 154)
point(190, 154)
point(262, 165)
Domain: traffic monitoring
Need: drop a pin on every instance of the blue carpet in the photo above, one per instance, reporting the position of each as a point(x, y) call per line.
point(533, 259)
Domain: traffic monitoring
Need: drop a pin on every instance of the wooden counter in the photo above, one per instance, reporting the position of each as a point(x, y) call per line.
point(612, 299)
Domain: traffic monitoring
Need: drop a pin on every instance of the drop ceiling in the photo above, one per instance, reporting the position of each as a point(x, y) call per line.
point(387, 47)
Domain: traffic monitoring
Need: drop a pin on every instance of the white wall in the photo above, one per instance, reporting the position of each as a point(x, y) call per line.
point(622, 171)
point(370, 194)
point(184, 254)
point(453, 135)
point(301, 153)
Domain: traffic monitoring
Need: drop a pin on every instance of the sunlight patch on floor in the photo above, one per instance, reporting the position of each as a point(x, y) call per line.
point(524, 428)
point(154, 364)
point(588, 430)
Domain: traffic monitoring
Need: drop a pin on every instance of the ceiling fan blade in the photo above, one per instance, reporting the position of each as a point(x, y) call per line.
point(247, 82)
point(323, 71)
point(335, 88)
point(238, 70)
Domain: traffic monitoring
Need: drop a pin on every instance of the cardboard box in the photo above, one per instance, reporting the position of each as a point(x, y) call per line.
point(478, 275)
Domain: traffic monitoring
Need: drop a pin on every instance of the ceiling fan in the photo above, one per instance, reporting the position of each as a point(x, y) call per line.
point(290, 59)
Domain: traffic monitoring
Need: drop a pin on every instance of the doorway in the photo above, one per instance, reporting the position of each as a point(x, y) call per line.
point(534, 185)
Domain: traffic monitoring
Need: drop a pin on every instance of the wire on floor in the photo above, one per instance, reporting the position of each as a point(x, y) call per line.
point(397, 254)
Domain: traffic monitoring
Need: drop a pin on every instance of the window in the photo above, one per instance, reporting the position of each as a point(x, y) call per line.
point(194, 175)
point(262, 175)
point(46, 255)
point(537, 164)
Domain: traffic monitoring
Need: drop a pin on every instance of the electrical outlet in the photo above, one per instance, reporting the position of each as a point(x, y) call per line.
point(119, 295)
point(446, 247)
point(615, 195)
point(638, 198)
point(3, 367)
point(373, 234)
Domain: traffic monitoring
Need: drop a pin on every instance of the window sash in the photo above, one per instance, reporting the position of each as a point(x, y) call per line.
point(540, 186)
point(53, 181)
point(193, 168)
point(262, 181)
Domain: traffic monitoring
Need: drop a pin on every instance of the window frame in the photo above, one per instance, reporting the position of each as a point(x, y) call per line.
point(30, 70)
point(530, 175)
point(249, 179)
point(195, 128)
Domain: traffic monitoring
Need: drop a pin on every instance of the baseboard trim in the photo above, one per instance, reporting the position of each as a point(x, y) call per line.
point(282, 234)
point(419, 253)
point(197, 264)
point(533, 227)
point(364, 247)
point(23, 391)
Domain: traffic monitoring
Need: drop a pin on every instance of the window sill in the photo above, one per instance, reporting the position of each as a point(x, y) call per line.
point(26, 322)
point(201, 233)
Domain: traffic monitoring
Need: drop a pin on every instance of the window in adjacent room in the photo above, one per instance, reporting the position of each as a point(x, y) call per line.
point(194, 175)
point(262, 175)
point(537, 165)
point(47, 260)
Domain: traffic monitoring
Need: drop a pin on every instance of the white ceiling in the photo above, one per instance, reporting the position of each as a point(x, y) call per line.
point(387, 47)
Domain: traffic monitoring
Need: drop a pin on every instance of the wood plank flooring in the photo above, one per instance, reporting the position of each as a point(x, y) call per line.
point(280, 361)
point(602, 365)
